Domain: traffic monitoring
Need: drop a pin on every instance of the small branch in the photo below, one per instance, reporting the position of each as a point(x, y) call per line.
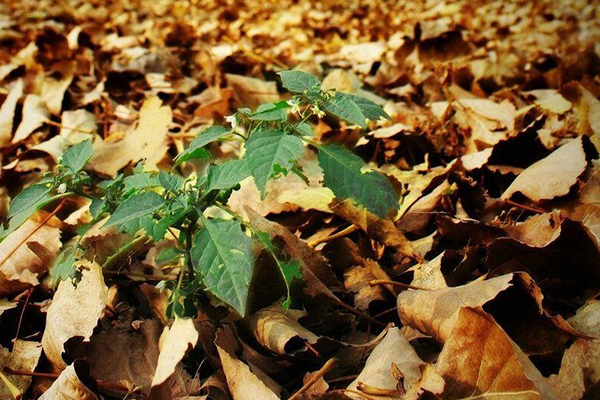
point(49, 122)
point(319, 374)
point(377, 282)
point(524, 207)
point(342, 233)
point(140, 275)
point(23, 313)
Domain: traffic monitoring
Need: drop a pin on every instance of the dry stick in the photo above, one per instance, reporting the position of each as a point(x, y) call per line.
point(23, 313)
point(49, 122)
point(342, 379)
point(13, 251)
point(140, 275)
point(319, 374)
point(524, 207)
point(342, 233)
point(101, 383)
point(360, 314)
point(377, 282)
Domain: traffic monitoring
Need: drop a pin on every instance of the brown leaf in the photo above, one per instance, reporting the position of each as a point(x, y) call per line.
point(243, 384)
point(175, 342)
point(252, 91)
point(147, 141)
point(279, 331)
point(377, 372)
point(356, 280)
point(65, 321)
point(480, 360)
point(21, 265)
point(72, 383)
point(24, 357)
point(34, 116)
point(7, 112)
point(553, 176)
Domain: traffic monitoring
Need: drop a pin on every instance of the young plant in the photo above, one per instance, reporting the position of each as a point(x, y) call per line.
point(216, 254)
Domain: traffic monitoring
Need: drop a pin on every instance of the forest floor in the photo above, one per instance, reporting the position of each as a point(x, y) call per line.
point(484, 284)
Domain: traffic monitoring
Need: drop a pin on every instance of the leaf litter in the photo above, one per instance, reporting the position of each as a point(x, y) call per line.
point(487, 259)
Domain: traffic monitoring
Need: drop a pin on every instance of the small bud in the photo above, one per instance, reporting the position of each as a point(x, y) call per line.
point(62, 188)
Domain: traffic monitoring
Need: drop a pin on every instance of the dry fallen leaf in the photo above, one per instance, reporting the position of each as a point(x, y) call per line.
point(553, 176)
point(480, 360)
point(65, 321)
point(147, 141)
point(394, 349)
point(24, 357)
point(279, 331)
point(34, 116)
point(71, 384)
point(20, 264)
point(7, 112)
point(175, 342)
point(243, 384)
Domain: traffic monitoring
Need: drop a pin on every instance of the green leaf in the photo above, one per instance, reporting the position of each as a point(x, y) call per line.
point(195, 150)
point(343, 107)
point(369, 109)
point(227, 175)
point(76, 157)
point(133, 209)
point(290, 270)
point(64, 265)
point(270, 152)
point(25, 204)
point(343, 174)
point(168, 255)
point(303, 129)
point(222, 255)
point(170, 182)
point(140, 180)
point(271, 112)
point(298, 81)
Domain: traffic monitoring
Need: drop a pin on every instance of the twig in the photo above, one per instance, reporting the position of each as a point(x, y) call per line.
point(524, 207)
point(140, 275)
point(342, 379)
point(23, 312)
point(342, 233)
point(377, 282)
point(319, 374)
point(101, 383)
point(49, 122)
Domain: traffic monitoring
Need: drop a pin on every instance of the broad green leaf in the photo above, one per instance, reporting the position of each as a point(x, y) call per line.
point(170, 182)
point(303, 129)
point(195, 150)
point(222, 255)
point(270, 152)
point(76, 157)
point(64, 265)
point(29, 199)
point(290, 270)
point(157, 229)
point(135, 208)
point(140, 180)
point(369, 109)
point(298, 81)
point(25, 204)
point(271, 112)
point(342, 106)
point(343, 174)
point(168, 255)
point(227, 175)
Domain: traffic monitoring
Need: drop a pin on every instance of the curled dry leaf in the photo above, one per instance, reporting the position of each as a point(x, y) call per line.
point(252, 91)
point(175, 342)
point(24, 357)
point(579, 375)
point(552, 176)
point(21, 264)
point(394, 349)
point(65, 321)
point(279, 331)
point(243, 384)
point(356, 280)
point(148, 140)
point(72, 383)
point(479, 360)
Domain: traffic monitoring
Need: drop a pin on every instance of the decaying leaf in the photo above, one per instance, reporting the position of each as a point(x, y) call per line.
point(243, 384)
point(147, 141)
point(279, 331)
point(65, 321)
point(175, 342)
point(72, 383)
point(23, 357)
point(394, 351)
